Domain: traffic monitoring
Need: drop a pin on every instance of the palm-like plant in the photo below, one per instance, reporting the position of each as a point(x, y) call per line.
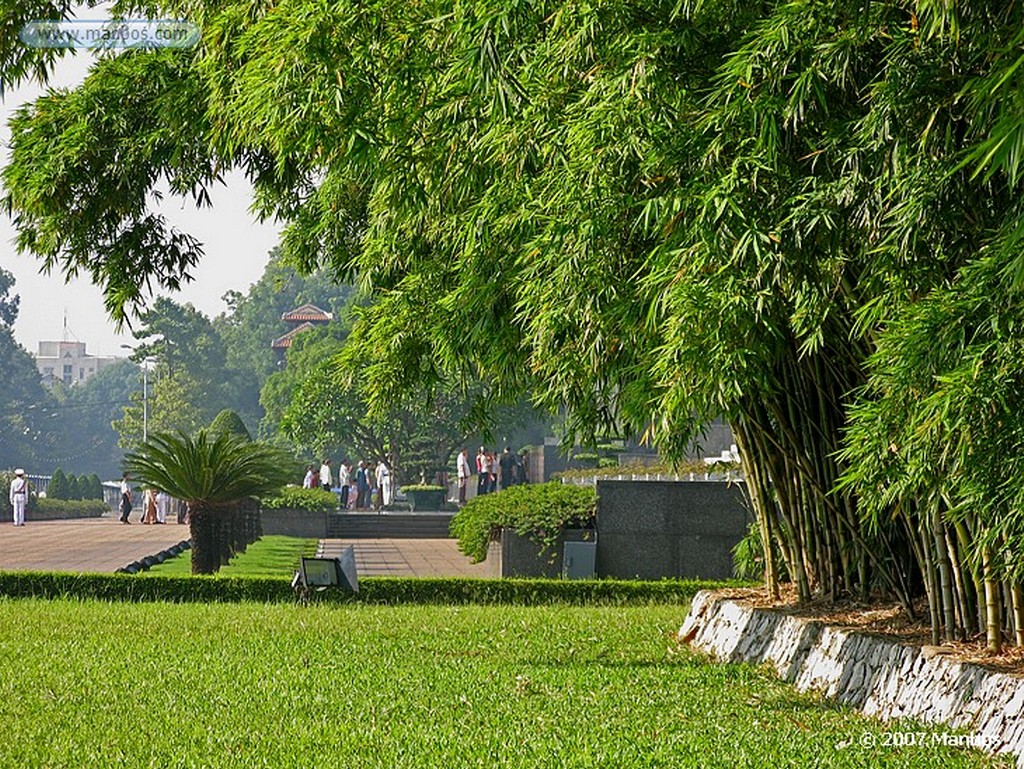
point(217, 477)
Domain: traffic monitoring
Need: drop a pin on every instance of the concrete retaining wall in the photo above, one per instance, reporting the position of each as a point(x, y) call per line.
point(657, 529)
point(512, 555)
point(294, 523)
point(876, 675)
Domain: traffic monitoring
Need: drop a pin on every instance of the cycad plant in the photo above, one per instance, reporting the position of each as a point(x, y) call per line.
point(218, 477)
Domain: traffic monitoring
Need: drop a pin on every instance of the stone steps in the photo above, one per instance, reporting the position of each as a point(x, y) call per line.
point(388, 525)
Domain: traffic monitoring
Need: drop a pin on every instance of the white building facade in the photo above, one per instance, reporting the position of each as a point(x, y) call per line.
point(68, 362)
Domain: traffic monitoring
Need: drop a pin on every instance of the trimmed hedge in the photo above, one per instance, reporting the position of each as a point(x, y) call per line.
point(298, 498)
point(373, 590)
point(538, 511)
point(72, 508)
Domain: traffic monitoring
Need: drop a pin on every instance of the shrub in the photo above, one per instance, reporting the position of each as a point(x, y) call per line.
point(297, 498)
point(57, 488)
point(372, 590)
point(537, 511)
point(228, 421)
point(74, 487)
point(425, 487)
point(95, 487)
point(72, 507)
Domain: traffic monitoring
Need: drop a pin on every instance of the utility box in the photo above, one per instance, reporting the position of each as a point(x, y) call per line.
point(579, 560)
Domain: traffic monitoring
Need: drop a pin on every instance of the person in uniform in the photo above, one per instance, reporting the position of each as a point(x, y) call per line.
point(18, 496)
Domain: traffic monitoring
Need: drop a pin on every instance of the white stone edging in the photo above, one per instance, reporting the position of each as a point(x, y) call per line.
point(876, 675)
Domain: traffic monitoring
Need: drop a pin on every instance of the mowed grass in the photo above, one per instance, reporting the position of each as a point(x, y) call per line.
point(270, 556)
point(89, 684)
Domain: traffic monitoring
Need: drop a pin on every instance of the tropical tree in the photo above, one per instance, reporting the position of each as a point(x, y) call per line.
point(219, 478)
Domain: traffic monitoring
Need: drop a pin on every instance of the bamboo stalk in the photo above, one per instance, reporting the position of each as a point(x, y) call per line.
point(993, 631)
point(1017, 596)
point(945, 595)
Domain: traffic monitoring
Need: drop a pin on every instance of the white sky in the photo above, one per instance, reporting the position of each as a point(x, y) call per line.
point(235, 244)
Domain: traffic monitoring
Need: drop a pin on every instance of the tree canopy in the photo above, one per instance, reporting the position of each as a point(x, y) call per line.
point(801, 216)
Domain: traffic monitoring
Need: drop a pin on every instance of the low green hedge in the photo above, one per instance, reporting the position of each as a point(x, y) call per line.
point(71, 507)
point(425, 487)
point(539, 511)
point(373, 590)
point(298, 498)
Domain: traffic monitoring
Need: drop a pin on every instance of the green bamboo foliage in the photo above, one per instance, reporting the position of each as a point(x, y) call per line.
point(800, 215)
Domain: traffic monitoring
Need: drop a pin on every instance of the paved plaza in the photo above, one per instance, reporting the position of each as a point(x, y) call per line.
point(104, 545)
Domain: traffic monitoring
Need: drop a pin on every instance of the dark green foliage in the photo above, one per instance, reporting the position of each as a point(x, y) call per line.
point(298, 498)
point(58, 487)
point(74, 487)
point(71, 508)
point(538, 511)
point(372, 590)
point(95, 487)
point(228, 421)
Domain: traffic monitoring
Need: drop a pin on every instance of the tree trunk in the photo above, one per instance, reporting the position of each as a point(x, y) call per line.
point(205, 527)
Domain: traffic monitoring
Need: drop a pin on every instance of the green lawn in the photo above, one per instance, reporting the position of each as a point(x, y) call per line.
point(270, 556)
point(90, 684)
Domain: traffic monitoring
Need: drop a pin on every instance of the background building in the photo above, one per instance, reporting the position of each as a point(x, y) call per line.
point(68, 362)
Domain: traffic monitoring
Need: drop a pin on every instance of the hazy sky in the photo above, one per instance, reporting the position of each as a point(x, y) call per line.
point(236, 248)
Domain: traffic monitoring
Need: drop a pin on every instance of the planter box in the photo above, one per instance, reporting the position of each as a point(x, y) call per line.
point(512, 555)
point(294, 523)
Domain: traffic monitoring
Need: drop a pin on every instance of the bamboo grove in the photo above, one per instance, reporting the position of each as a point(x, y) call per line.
point(803, 216)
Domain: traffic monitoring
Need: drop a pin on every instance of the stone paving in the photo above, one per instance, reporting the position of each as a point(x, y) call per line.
point(406, 557)
point(103, 545)
point(84, 545)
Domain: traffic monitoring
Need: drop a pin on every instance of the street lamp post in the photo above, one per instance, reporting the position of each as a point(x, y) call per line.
point(145, 392)
point(145, 400)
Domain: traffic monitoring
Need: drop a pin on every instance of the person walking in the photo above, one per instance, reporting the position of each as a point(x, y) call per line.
point(148, 506)
point(308, 482)
point(18, 496)
point(163, 506)
point(126, 498)
point(463, 472)
point(344, 476)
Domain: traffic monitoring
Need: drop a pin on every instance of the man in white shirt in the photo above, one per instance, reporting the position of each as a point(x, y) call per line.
point(384, 483)
point(344, 478)
point(462, 468)
point(325, 475)
point(18, 496)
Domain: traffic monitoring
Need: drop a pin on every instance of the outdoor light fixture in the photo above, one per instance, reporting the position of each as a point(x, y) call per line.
point(322, 573)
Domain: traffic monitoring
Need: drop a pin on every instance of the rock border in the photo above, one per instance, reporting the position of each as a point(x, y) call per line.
point(145, 564)
point(876, 675)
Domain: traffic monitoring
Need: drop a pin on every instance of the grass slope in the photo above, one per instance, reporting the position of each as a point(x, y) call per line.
point(247, 685)
point(270, 556)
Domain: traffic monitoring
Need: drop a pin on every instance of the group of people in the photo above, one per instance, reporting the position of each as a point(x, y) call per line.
point(156, 504)
point(360, 487)
point(493, 471)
